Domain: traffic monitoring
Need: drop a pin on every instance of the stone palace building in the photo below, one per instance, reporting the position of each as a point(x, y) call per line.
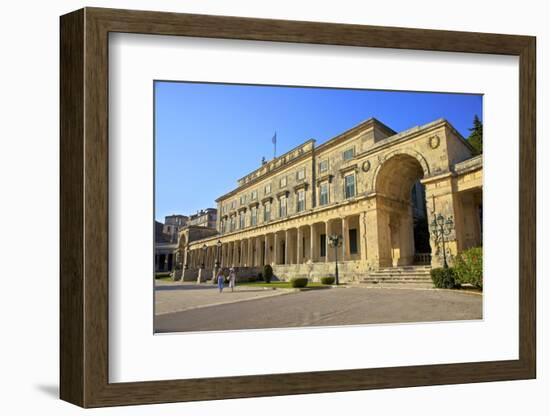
point(375, 188)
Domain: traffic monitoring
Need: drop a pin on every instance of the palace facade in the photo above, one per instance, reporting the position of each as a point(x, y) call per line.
point(378, 190)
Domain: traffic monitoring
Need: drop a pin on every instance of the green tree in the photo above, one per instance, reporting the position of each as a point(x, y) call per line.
point(476, 135)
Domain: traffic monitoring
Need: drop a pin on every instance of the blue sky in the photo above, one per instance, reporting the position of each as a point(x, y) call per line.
point(209, 135)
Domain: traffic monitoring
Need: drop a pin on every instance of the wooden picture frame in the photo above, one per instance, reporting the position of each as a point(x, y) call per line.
point(84, 207)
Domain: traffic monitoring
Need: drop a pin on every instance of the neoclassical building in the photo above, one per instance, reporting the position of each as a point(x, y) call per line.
point(375, 188)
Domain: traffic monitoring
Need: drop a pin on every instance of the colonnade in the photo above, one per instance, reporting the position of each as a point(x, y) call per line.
point(294, 245)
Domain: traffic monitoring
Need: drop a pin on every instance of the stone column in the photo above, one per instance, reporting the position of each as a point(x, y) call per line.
point(378, 235)
point(312, 242)
point(344, 238)
point(249, 262)
point(299, 249)
point(266, 253)
point(258, 251)
point(361, 237)
point(275, 248)
point(287, 240)
point(327, 247)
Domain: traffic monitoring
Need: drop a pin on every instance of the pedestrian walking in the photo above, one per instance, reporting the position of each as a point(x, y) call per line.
point(221, 280)
point(232, 278)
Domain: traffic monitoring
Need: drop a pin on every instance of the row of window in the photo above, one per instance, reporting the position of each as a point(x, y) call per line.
point(253, 196)
point(347, 154)
point(323, 167)
point(349, 192)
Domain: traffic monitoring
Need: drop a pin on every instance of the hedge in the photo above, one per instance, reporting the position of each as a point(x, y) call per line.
point(268, 273)
point(444, 278)
point(160, 275)
point(299, 282)
point(327, 280)
point(469, 267)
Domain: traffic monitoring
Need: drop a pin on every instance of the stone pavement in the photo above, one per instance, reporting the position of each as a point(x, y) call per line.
point(177, 296)
point(352, 305)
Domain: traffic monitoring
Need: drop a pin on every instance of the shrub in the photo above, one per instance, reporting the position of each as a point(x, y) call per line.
point(444, 278)
point(252, 279)
point(268, 273)
point(259, 277)
point(298, 282)
point(469, 267)
point(327, 280)
point(160, 275)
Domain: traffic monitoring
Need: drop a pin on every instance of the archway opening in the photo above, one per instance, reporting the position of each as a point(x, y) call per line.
point(404, 237)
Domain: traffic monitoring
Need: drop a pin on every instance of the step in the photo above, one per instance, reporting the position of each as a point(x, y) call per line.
point(399, 275)
point(404, 278)
point(397, 282)
point(403, 282)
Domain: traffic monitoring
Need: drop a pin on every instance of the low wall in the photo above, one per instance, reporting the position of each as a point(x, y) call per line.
point(348, 271)
point(243, 274)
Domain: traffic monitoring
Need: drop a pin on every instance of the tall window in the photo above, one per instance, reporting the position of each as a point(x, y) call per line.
point(253, 216)
point(323, 245)
point(301, 174)
point(301, 201)
point(323, 166)
point(282, 207)
point(267, 189)
point(233, 223)
point(241, 220)
point(349, 181)
point(352, 241)
point(348, 154)
point(243, 199)
point(267, 211)
point(253, 195)
point(282, 182)
point(323, 193)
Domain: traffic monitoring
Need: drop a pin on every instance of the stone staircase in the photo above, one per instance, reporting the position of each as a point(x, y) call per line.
point(400, 274)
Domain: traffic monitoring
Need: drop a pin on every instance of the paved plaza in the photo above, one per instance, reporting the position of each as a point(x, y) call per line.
point(183, 296)
point(184, 307)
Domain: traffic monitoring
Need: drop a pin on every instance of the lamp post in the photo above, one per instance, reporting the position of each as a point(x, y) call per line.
point(335, 241)
point(441, 227)
point(204, 248)
point(218, 247)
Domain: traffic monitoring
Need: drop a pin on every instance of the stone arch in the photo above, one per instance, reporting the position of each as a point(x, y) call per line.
point(394, 181)
point(403, 153)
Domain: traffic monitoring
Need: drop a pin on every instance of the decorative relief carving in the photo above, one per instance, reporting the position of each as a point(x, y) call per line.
point(434, 141)
point(365, 166)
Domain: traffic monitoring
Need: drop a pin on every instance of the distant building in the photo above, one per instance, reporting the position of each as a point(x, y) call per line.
point(173, 224)
point(204, 218)
point(197, 226)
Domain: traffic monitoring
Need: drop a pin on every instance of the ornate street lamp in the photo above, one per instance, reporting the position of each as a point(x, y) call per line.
point(218, 247)
point(335, 241)
point(204, 248)
point(441, 228)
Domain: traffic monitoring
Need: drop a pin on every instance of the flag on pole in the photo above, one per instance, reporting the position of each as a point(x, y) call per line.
point(274, 141)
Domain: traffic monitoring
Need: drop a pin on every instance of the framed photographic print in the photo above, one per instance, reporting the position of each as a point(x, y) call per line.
point(255, 207)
